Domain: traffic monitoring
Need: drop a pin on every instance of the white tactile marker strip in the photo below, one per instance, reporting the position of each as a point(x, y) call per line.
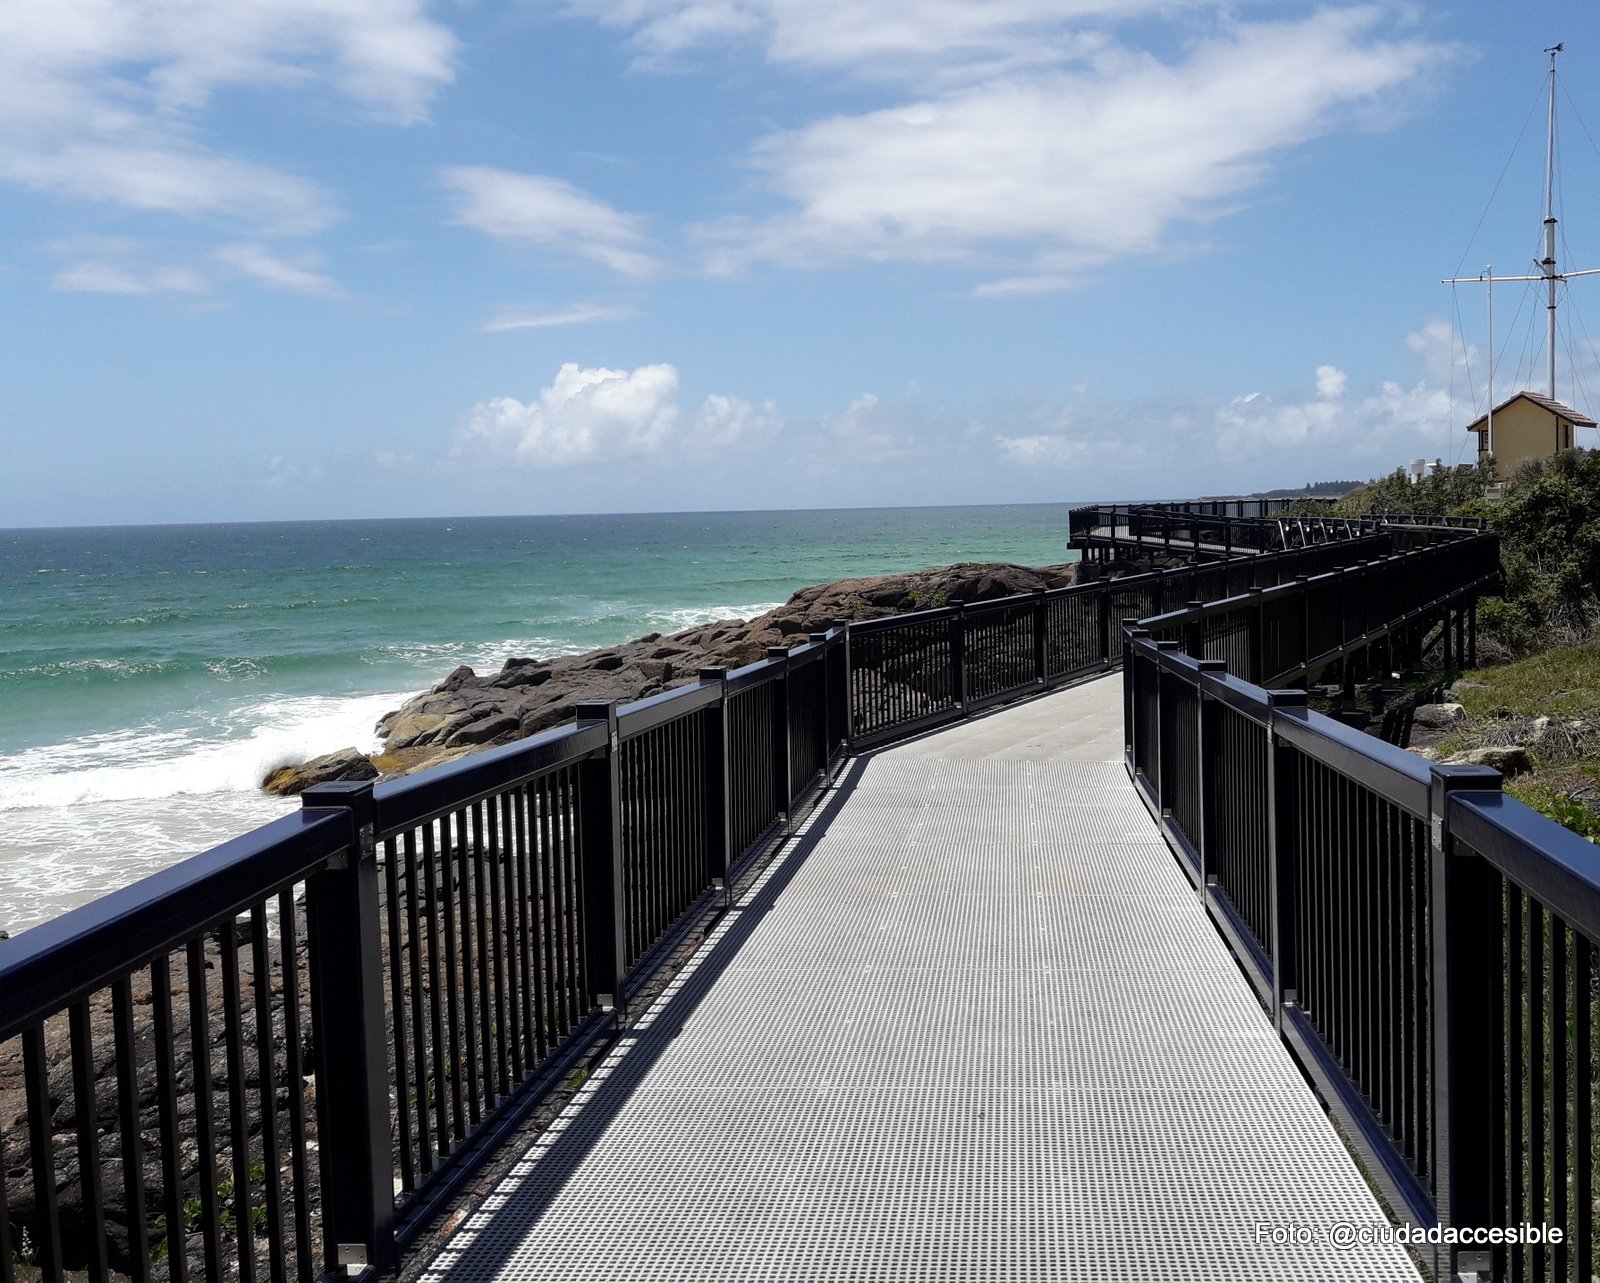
point(973, 1025)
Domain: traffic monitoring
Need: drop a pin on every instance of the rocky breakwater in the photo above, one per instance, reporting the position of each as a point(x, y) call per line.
point(470, 711)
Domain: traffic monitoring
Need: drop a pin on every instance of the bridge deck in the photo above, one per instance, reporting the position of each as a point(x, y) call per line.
point(972, 1025)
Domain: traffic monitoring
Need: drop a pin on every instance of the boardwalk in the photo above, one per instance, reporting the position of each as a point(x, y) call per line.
point(973, 1025)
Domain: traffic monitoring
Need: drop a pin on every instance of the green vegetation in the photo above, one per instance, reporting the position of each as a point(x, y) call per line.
point(1541, 686)
point(1455, 492)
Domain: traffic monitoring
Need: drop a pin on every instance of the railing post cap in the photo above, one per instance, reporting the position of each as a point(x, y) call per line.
point(1289, 698)
point(777, 652)
point(1453, 777)
point(1211, 665)
point(1168, 645)
point(595, 710)
point(712, 674)
point(816, 639)
point(338, 794)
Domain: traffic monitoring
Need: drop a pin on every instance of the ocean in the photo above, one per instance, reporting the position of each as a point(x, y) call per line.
point(151, 676)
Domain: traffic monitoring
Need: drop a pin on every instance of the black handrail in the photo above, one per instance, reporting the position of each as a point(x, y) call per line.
point(456, 940)
point(1426, 944)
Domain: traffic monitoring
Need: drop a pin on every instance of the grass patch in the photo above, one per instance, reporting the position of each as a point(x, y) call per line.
point(1564, 682)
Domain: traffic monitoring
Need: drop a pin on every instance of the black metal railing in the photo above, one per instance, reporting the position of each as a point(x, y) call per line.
point(1425, 945)
point(1238, 527)
point(434, 953)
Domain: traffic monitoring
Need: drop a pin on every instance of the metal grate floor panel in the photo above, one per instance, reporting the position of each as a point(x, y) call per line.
point(972, 1025)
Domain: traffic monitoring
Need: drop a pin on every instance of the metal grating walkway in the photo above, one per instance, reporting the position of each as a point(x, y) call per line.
point(974, 1025)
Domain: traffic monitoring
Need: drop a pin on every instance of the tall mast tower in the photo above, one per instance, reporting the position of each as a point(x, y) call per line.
point(1547, 265)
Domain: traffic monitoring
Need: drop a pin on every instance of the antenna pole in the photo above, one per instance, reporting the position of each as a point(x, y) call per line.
point(1548, 266)
point(1488, 275)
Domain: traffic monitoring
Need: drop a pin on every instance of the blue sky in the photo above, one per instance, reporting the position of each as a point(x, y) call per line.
point(273, 259)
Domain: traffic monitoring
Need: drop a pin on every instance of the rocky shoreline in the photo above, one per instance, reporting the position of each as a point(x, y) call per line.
point(468, 711)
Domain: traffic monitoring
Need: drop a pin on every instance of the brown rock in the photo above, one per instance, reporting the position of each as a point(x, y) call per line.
point(345, 764)
point(1510, 760)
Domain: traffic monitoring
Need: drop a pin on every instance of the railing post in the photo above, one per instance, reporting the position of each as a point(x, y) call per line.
point(1303, 583)
point(714, 761)
point(1207, 721)
point(1283, 808)
point(1130, 692)
point(783, 740)
point(1041, 620)
point(350, 1034)
point(821, 639)
point(1108, 645)
point(849, 694)
point(1466, 895)
point(1194, 632)
point(1256, 620)
point(600, 833)
point(958, 653)
point(1157, 761)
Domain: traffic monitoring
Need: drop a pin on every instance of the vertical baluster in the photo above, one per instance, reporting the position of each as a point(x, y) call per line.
point(1583, 1080)
point(163, 1038)
point(294, 1078)
point(511, 834)
point(465, 883)
point(1538, 1137)
point(452, 891)
point(238, 1120)
point(204, 1108)
point(1515, 1047)
point(441, 989)
point(494, 868)
point(1559, 1048)
point(267, 1088)
point(41, 1149)
point(482, 862)
point(91, 1187)
point(397, 1021)
point(421, 981)
point(127, 1062)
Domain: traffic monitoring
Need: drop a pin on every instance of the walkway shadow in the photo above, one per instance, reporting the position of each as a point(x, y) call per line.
point(481, 1249)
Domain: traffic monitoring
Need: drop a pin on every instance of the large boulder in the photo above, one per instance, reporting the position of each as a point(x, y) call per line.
point(344, 764)
point(1438, 717)
point(1512, 759)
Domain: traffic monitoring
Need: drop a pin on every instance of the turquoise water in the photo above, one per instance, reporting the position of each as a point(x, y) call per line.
point(151, 676)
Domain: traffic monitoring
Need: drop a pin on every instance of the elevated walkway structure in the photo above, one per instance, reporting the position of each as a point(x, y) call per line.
point(973, 1023)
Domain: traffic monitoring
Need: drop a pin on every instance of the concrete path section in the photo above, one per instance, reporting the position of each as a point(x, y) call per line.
point(973, 1024)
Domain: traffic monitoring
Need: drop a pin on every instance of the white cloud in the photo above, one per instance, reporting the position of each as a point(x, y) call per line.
point(103, 100)
point(727, 421)
point(584, 416)
point(1046, 174)
point(549, 214)
point(261, 264)
point(1331, 381)
point(610, 416)
point(577, 314)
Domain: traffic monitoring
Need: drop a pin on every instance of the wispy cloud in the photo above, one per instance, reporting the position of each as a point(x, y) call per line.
point(550, 214)
point(120, 265)
point(108, 103)
point(1039, 177)
point(262, 265)
point(577, 314)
